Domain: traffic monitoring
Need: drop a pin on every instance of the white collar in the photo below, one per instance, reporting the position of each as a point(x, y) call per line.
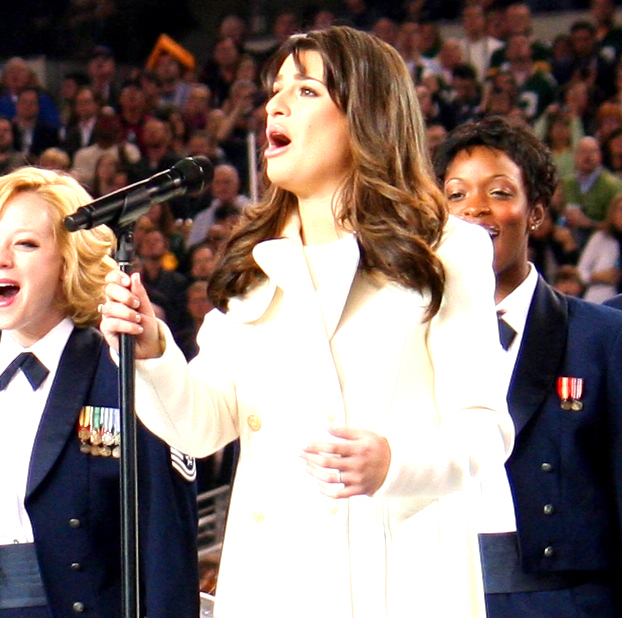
point(48, 349)
point(515, 306)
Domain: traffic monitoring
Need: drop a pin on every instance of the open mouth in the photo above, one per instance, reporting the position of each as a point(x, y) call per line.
point(492, 231)
point(8, 290)
point(277, 138)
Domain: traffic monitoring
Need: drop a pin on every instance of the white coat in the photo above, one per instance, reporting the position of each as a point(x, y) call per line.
point(270, 373)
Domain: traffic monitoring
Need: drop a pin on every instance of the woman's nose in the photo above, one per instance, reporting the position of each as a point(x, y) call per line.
point(474, 206)
point(277, 104)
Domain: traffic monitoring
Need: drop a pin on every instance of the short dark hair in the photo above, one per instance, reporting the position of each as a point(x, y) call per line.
point(583, 25)
point(514, 139)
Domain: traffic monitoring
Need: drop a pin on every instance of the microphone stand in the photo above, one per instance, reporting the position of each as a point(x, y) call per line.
point(130, 575)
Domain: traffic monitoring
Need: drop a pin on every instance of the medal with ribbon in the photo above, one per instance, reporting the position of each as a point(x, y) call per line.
point(570, 391)
point(99, 431)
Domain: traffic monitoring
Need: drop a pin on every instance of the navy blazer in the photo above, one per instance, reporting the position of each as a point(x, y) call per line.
point(73, 500)
point(566, 467)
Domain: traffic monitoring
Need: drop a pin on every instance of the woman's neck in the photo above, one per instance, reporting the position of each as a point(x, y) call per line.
point(318, 222)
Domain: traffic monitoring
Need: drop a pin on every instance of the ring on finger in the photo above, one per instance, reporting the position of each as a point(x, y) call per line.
point(339, 477)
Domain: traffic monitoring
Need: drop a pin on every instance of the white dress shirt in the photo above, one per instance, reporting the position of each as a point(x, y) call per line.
point(21, 409)
point(497, 514)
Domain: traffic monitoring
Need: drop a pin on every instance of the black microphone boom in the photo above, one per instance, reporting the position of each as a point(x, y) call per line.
point(123, 207)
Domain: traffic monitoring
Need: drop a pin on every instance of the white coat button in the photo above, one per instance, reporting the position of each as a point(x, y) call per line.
point(258, 517)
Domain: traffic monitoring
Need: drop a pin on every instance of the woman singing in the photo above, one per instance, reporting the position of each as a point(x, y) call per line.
point(60, 539)
point(353, 352)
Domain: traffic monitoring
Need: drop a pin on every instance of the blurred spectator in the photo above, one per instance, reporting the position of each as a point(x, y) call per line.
point(108, 138)
point(54, 159)
point(612, 152)
point(162, 217)
point(80, 132)
point(536, 87)
point(589, 191)
point(167, 286)
point(562, 59)
point(233, 27)
point(133, 113)
point(561, 131)
point(435, 135)
point(551, 246)
point(173, 89)
point(434, 109)
point(386, 30)
point(608, 119)
point(517, 20)
point(589, 65)
point(197, 108)
point(448, 58)
point(31, 134)
point(465, 93)
point(576, 99)
point(101, 69)
point(477, 45)
point(151, 85)
point(202, 262)
point(359, 14)
point(157, 154)
point(431, 38)
point(110, 175)
point(220, 70)
point(198, 305)
point(567, 281)
point(608, 34)
point(408, 45)
point(16, 76)
point(323, 18)
point(70, 84)
point(599, 263)
point(10, 158)
point(226, 200)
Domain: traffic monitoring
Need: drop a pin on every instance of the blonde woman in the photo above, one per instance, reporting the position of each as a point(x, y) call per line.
point(59, 490)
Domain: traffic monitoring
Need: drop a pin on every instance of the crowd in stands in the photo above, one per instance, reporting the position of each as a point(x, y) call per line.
point(109, 132)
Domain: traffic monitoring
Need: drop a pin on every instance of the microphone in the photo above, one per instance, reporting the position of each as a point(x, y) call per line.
point(126, 205)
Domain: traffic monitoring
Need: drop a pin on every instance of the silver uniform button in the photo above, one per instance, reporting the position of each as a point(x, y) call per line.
point(75, 566)
point(78, 607)
point(74, 523)
point(549, 551)
point(548, 509)
point(546, 467)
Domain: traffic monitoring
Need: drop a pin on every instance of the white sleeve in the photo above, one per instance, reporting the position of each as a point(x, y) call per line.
point(475, 431)
point(191, 406)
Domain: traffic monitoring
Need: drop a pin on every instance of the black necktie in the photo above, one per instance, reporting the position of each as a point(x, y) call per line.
point(34, 370)
point(506, 332)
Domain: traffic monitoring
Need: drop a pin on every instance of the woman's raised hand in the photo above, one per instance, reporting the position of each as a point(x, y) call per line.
point(128, 310)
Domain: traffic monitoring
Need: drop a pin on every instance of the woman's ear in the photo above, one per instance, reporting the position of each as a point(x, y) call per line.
point(536, 216)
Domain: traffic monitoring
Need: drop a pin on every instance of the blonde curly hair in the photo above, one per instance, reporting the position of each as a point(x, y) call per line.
point(86, 254)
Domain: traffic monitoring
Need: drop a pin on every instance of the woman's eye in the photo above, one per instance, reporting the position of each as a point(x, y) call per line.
point(307, 92)
point(28, 244)
point(454, 195)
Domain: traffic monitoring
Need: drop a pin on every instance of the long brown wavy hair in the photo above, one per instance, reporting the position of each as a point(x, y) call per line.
point(389, 199)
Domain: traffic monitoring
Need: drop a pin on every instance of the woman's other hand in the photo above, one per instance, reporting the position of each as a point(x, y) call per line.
point(355, 465)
